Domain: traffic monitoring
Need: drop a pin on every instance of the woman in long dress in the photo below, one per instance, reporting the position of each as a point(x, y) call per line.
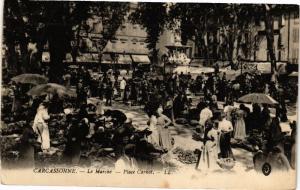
point(225, 127)
point(40, 126)
point(165, 139)
point(153, 138)
point(240, 128)
point(209, 154)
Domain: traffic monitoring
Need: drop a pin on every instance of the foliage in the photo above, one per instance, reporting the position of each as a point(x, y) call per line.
point(56, 23)
point(153, 17)
point(203, 23)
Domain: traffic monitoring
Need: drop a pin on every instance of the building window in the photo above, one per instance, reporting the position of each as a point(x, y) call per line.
point(295, 35)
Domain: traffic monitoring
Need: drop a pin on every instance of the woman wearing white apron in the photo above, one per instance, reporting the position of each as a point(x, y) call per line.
point(153, 138)
point(40, 127)
point(209, 154)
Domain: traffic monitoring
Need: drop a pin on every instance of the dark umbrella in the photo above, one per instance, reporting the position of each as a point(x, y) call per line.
point(29, 78)
point(51, 88)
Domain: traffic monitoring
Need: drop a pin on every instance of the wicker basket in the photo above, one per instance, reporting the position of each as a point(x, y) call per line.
point(226, 163)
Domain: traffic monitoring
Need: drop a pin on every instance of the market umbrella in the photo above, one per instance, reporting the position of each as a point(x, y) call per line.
point(73, 66)
point(29, 78)
point(258, 98)
point(51, 88)
point(293, 74)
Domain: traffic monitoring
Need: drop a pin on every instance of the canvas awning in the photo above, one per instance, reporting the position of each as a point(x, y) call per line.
point(141, 59)
point(88, 57)
point(128, 48)
point(124, 59)
point(68, 58)
point(106, 59)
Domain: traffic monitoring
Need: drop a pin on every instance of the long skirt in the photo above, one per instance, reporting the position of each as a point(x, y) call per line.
point(43, 136)
point(165, 139)
point(153, 138)
point(240, 129)
point(208, 158)
point(225, 146)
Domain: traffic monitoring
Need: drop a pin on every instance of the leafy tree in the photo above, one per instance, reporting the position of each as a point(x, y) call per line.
point(199, 24)
point(57, 23)
point(153, 17)
point(202, 23)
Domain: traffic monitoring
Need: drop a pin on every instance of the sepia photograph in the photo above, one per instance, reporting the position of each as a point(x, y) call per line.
point(149, 94)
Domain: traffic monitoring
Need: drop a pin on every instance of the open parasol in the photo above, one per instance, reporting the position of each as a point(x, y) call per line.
point(51, 88)
point(258, 98)
point(29, 78)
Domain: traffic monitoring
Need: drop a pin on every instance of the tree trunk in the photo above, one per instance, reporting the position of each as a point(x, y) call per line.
point(76, 48)
point(232, 49)
point(25, 67)
point(206, 47)
point(269, 21)
point(39, 54)
point(215, 46)
point(233, 43)
point(12, 59)
point(57, 49)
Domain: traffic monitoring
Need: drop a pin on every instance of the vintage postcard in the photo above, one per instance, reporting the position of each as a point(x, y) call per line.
point(142, 94)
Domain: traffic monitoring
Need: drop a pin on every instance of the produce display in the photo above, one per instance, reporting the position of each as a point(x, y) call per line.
point(185, 156)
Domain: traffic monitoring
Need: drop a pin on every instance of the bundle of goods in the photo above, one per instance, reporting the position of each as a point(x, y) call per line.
point(185, 156)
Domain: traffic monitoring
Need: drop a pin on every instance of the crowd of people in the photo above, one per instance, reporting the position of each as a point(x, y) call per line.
point(167, 100)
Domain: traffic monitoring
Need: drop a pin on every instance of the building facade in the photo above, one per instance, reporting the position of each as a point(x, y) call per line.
point(286, 39)
point(126, 48)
